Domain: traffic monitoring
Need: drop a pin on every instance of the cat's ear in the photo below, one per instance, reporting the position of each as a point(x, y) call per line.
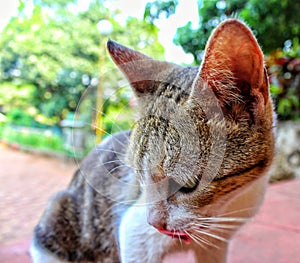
point(140, 70)
point(233, 67)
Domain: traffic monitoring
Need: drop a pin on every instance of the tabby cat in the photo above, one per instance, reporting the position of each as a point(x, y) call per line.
point(188, 175)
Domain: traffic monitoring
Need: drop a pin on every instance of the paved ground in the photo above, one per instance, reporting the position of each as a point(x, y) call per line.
point(27, 181)
point(273, 236)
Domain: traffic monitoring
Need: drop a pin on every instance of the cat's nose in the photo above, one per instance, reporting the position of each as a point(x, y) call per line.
point(157, 221)
point(157, 216)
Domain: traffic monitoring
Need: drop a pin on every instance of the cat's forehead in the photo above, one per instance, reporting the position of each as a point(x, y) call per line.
point(171, 145)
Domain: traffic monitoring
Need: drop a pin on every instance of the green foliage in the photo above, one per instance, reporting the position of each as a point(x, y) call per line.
point(211, 14)
point(157, 9)
point(15, 94)
point(45, 52)
point(54, 54)
point(119, 115)
point(116, 121)
point(28, 137)
point(284, 69)
point(273, 21)
point(28, 118)
point(19, 117)
point(53, 3)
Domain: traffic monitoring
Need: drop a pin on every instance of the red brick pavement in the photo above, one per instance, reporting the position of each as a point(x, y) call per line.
point(273, 236)
point(27, 181)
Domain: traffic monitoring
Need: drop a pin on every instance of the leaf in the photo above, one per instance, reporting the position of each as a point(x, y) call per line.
point(284, 106)
point(275, 90)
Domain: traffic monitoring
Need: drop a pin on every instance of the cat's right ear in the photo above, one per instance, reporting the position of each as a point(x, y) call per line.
point(140, 70)
point(233, 67)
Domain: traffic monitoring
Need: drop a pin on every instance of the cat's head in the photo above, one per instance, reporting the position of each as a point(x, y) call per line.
point(204, 133)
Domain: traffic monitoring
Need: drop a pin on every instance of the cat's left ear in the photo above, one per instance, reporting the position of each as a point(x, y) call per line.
point(233, 67)
point(141, 70)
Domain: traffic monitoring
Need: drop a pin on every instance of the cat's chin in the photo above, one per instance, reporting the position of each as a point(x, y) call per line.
point(176, 234)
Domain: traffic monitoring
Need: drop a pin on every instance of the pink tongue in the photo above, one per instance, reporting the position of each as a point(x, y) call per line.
point(176, 234)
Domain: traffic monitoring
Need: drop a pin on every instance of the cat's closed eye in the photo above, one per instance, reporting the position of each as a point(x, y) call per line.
point(187, 188)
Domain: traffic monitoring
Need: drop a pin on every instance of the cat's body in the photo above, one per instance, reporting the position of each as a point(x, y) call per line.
point(190, 173)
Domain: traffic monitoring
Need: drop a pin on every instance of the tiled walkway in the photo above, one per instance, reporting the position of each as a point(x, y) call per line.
point(27, 181)
point(273, 236)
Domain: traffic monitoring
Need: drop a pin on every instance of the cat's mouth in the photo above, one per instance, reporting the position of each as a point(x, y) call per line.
point(176, 234)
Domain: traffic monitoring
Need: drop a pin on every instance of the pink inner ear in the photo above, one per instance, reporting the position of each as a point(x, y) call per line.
point(233, 50)
point(247, 65)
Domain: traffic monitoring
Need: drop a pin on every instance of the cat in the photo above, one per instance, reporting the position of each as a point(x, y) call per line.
point(191, 171)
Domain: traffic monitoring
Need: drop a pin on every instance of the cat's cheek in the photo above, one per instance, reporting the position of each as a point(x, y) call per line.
point(179, 257)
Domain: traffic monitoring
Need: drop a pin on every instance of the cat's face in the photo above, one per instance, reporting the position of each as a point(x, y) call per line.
point(204, 134)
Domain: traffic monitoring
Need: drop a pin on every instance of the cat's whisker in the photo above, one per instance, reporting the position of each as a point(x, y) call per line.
point(100, 164)
point(229, 212)
point(93, 126)
point(107, 116)
point(160, 167)
point(142, 181)
point(202, 241)
point(179, 238)
point(237, 211)
point(119, 154)
point(203, 226)
point(224, 216)
point(198, 240)
point(214, 227)
point(210, 235)
point(103, 165)
point(109, 209)
point(223, 226)
point(110, 162)
point(225, 219)
point(116, 168)
point(218, 229)
point(123, 202)
point(227, 232)
point(107, 133)
point(98, 190)
point(114, 120)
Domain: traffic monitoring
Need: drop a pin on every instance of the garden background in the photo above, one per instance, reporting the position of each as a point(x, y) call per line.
point(60, 94)
point(54, 66)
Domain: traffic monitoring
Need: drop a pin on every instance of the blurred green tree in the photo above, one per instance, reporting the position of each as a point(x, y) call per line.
point(274, 21)
point(157, 9)
point(55, 51)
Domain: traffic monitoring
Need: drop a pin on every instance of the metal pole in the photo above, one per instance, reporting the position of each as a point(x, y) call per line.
point(99, 117)
point(105, 28)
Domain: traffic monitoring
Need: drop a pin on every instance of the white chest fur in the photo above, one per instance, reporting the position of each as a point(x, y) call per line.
point(140, 242)
point(134, 234)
